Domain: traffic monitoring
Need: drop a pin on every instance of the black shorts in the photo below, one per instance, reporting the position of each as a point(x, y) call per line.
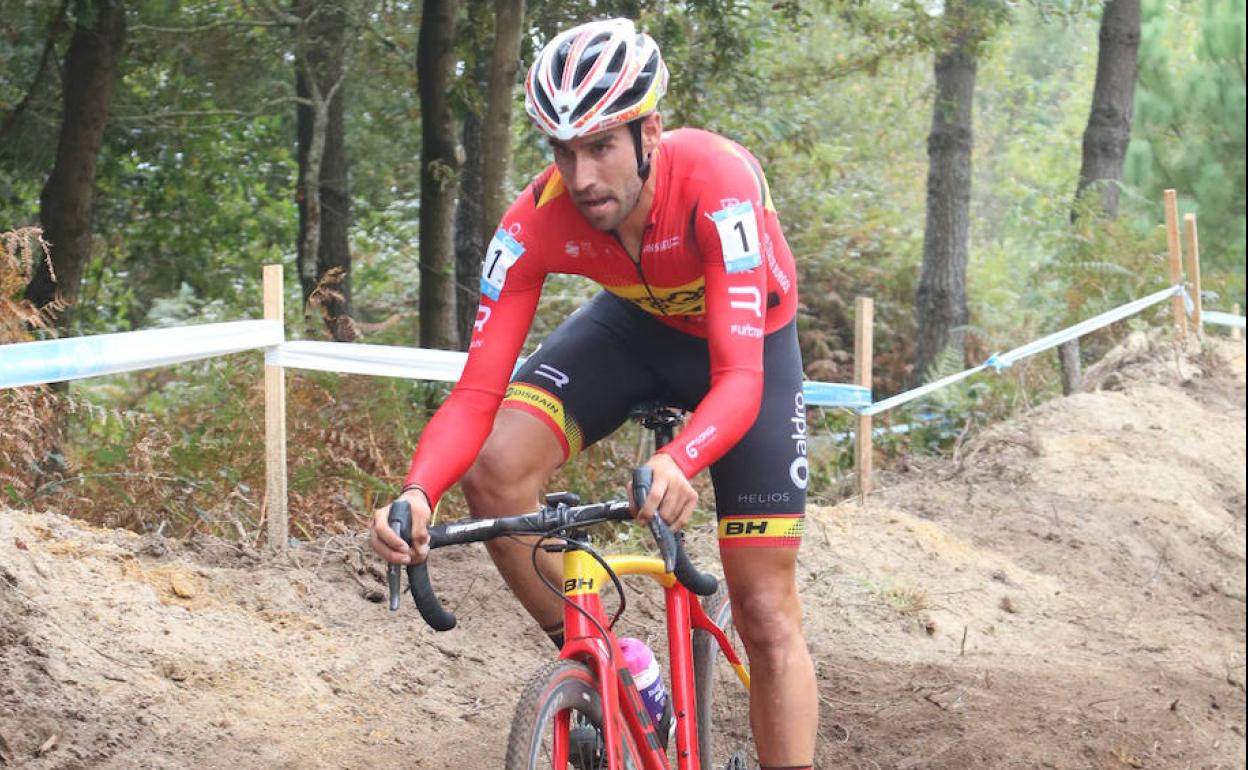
point(609, 356)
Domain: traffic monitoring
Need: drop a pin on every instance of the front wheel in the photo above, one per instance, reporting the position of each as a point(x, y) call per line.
point(723, 703)
point(562, 703)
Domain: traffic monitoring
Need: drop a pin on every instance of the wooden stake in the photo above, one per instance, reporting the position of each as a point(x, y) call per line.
point(1193, 269)
point(1235, 329)
point(864, 318)
point(1176, 260)
point(275, 424)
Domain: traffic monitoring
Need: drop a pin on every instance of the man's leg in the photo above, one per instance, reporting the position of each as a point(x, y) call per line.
point(760, 499)
point(575, 389)
point(768, 615)
point(507, 479)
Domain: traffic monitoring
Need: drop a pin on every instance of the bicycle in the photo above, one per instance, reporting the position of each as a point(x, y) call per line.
point(583, 710)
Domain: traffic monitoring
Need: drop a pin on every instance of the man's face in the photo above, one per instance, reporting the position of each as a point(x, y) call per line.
point(600, 171)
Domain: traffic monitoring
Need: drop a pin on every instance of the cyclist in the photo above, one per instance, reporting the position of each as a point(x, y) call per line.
point(698, 307)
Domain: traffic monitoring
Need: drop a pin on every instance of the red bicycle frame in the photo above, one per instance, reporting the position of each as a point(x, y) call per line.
point(623, 709)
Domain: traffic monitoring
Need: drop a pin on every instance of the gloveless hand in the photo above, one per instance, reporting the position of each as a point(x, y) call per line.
point(671, 494)
point(389, 545)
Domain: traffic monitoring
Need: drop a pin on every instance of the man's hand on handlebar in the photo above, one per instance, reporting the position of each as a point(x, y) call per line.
point(670, 492)
point(390, 546)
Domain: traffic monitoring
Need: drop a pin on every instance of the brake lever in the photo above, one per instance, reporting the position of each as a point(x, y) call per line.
point(400, 521)
point(643, 477)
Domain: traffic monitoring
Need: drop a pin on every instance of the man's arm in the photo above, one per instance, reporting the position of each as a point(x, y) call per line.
point(729, 225)
point(510, 287)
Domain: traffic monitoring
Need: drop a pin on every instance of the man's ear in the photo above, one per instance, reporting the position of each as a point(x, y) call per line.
point(651, 132)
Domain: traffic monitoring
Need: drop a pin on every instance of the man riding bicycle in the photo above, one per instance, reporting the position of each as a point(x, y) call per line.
point(698, 307)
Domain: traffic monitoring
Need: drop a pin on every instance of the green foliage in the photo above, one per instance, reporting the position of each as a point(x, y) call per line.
point(1188, 131)
point(195, 191)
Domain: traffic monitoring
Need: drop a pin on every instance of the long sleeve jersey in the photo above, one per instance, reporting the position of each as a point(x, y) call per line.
point(713, 264)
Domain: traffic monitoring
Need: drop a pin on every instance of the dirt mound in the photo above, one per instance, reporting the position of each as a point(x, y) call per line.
point(1066, 592)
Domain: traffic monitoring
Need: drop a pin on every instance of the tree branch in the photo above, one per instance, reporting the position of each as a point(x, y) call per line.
point(241, 114)
point(285, 22)
point(54, 29)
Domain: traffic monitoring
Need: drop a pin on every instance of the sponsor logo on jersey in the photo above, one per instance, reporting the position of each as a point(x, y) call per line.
point(483, 315)
point(667, 244)
point(763, 498)
point(554, 375)
point(746, 330)
point(687, 299)
point(799, 469)
point(694, 447)
point(782, 530)
point(746, 298)
point(549, 408)
point(769, 248)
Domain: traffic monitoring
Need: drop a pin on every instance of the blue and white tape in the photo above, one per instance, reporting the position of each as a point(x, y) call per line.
point(1221, 319)
point(35, 363)
point(831, 394)
point(378, 360)
point(999, 361)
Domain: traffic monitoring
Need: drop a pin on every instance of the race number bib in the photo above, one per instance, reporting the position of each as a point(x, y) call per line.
point(502, 254)
point(738, 236)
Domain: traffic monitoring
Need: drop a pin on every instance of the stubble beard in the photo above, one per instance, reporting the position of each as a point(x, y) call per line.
point(624, 211)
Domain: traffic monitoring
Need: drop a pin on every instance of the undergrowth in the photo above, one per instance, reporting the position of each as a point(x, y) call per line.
point(180, 449)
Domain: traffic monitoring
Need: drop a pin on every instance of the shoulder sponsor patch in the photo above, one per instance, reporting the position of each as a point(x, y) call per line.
point(738, 236)
point(503, 252)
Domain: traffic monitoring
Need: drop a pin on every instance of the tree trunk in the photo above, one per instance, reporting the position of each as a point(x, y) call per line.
point(439, 166)
point(504, 62)
point(940, 301)
point(1107, 134)
point(323, 197)
point(92, 67)
point(1113, 98)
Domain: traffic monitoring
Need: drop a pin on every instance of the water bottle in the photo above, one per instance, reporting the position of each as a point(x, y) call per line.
point(645, 670)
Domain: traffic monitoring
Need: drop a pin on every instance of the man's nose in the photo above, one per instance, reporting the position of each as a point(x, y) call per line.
point(583, 177)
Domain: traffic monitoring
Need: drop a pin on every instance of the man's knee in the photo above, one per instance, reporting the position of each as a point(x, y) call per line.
point(770, 623)
point(496, 478)
point(515, 462)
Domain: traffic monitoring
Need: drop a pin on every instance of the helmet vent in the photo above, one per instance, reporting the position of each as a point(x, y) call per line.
point(591, 98)
point(561, 60)
point(589, 58)
point(640, 87)
point(544, 103)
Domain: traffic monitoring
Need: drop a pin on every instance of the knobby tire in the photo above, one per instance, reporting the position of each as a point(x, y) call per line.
point(559, 685)
point(722, 701)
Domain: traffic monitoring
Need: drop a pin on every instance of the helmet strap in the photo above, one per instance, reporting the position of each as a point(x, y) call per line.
point(643, 164)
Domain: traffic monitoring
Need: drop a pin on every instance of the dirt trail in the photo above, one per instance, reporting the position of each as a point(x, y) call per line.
point(1067, 592)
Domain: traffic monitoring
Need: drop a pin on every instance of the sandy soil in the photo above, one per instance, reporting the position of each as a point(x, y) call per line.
point(1067, 591)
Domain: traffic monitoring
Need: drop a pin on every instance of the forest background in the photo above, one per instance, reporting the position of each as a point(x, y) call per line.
point(353, 143)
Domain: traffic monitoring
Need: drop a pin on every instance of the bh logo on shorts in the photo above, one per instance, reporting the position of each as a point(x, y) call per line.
point(799, 470)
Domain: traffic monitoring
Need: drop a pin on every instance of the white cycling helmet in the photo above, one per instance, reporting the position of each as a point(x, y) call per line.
point(594, 77)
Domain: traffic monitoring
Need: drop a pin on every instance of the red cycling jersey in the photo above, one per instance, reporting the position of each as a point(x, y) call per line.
point(714, 264)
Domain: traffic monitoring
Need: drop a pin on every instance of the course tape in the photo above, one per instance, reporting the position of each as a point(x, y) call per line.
point(34, 363)
point(1001, 361)
point(447, 366)
point(832, 394)
point(379, 360)
point(1221, 319)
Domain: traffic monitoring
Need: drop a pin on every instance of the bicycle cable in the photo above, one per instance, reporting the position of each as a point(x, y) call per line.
point(615, 580)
